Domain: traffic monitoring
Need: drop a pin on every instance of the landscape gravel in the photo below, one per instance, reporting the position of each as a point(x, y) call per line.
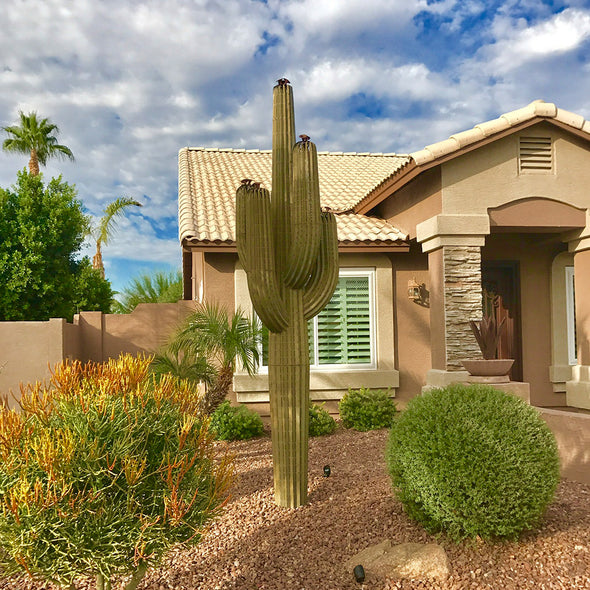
point(255, 545)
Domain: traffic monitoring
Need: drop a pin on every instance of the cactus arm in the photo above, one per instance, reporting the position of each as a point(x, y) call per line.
point(254, 242)
point(283, 140)
point(324, 277)
point(306, 225)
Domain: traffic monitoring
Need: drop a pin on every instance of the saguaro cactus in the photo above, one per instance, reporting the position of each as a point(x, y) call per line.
point(289, 249)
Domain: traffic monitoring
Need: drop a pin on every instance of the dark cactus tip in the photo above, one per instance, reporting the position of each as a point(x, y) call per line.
point(359, 574)
point(304, 138)
point(246, 181)
point(256, 185)
point(283, 82)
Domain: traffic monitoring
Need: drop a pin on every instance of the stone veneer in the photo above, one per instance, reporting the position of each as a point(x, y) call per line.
point(462, 288)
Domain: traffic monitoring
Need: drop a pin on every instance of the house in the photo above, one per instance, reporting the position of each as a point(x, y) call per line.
point(500, 209)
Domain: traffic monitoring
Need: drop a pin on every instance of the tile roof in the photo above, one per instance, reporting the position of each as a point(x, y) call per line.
point(537, 108)
point(208, 179)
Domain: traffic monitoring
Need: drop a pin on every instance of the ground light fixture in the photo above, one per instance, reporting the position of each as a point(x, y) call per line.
point(327, 471)
point(359, 573)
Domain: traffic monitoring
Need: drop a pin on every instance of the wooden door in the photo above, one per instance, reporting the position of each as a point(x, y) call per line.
point(500, 284)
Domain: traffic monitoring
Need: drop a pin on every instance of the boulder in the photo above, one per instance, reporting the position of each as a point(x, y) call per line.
point(414, 561)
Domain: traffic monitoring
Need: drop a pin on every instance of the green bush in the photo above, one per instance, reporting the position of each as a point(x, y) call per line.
point(320, 421)
point(235, 422)
point(102, 472)
point(366, 409)
point(473, 461)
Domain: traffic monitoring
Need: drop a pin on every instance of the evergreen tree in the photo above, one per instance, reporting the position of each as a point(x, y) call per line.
point(42, 228)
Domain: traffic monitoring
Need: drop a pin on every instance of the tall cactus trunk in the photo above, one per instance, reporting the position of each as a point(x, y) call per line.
point(288, 376)
point(289, 249)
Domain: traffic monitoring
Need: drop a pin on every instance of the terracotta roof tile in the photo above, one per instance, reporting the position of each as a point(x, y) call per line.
point(537, 108)
point(208, 179)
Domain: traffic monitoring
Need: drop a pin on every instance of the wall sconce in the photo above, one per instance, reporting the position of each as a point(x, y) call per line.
point(414, 290)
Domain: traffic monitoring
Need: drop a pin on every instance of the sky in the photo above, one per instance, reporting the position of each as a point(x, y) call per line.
point(129, 83)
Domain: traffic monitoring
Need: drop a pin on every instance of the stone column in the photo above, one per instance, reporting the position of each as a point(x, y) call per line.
point(453, 243)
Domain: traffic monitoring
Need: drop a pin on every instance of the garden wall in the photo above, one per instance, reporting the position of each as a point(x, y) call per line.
point(29, 349)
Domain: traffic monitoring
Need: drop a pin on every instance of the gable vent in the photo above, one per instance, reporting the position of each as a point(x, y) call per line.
point(535, 154)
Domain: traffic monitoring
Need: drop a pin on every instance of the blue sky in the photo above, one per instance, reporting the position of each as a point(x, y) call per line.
point(129, 83)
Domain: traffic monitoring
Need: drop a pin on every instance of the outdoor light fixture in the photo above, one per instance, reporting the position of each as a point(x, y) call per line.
point(327, 471)
point(413, 290)
point(359, 573)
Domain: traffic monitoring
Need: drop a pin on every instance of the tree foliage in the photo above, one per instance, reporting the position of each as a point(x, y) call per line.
point(36, 137)
point(42, 228)
point(106, 226)
point(157, 287)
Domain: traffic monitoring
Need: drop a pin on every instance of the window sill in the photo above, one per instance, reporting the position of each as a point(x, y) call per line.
point(324, 385)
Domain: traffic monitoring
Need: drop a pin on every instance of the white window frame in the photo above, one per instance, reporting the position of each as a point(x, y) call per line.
point(570, 305)
point(315, 366)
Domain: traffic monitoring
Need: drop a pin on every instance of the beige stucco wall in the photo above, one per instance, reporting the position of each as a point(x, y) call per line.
point(412, 323)
point(420, 199)
point(489, 176)
point(27, 350)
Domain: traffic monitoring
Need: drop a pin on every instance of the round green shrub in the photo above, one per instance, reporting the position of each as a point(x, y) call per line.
point(366, 409)
point(235, 422)
point(473, 461)
point(320, 421)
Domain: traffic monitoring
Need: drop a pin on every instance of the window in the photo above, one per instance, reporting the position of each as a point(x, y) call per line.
point(342, 335)
point(570, 300)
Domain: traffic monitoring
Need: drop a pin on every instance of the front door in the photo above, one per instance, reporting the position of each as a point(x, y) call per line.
point(500, 281)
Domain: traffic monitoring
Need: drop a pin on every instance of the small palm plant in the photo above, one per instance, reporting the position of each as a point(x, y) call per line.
point(210, 344)
point(37, 138)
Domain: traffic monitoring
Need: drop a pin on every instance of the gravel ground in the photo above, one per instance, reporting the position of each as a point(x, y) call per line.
point(257, 546)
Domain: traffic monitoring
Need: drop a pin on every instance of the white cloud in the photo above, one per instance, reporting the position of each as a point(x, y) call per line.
point(518, 44)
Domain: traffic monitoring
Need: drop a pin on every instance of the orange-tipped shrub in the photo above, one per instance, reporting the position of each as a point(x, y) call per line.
point(103, 472)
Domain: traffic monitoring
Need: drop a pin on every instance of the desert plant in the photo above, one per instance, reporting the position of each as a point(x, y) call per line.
point(320, 421)
point(473, 461)
point(235, 422)
point(366, 409)
point(289, 249)
point(207, 348)
point(102, 472)
point(487, 332)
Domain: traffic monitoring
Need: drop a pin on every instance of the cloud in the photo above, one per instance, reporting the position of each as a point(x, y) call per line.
point(518, 44)
point(130, 83)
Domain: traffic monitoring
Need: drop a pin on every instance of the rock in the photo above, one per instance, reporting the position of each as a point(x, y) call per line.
point(408, 560)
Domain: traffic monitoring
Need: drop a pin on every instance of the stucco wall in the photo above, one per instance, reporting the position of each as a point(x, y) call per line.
point(489, 176)
point(420, 199)
point(412, 323)
point(29, 349)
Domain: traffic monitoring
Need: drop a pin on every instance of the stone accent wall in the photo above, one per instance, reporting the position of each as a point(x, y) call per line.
point(462, 288)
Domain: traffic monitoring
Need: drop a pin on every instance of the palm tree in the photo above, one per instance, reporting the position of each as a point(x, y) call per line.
point(158, 287)
point(223, 339)
point(37, 138)
point(107, 225)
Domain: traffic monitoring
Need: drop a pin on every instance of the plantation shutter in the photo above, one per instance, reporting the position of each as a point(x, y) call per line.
point(344, 325)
